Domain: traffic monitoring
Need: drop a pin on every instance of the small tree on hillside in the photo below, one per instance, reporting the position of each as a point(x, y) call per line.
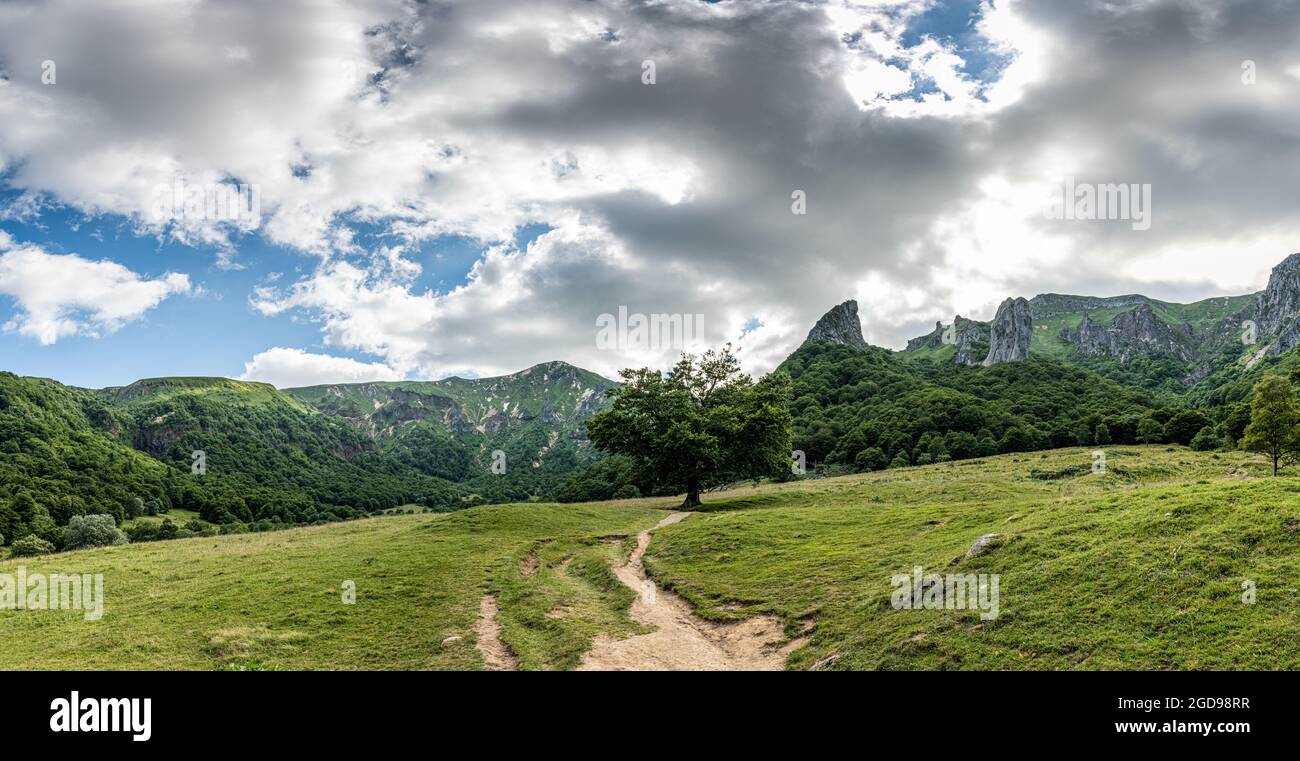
point(1149, 430)
point(85, 531)
point(701, 424)
point(1273, 419)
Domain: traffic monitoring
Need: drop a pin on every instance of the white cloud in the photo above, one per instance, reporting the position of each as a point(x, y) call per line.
point(293, 368)
point(474, 118)
point(61, 295)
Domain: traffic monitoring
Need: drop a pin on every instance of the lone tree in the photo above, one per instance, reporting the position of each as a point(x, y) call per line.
point(701, 424)
point(1273, 418)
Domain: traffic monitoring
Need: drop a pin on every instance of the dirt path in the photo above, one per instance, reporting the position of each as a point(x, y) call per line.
point(487, 631)
point(682, 640)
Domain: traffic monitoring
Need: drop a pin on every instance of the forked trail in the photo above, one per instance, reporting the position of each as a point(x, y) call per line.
point(682, 640)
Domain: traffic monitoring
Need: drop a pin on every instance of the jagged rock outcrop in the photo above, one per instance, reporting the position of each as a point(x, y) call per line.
point(1010, 333)
point(1278, 307)
point(1135, 332)
point(840, 325)
point(970, 338)
point(1203, 335)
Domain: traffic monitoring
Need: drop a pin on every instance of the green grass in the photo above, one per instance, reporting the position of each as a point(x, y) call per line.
point(274, 600)
point(1137, 568)
point(1140, 568)
point(178, 516)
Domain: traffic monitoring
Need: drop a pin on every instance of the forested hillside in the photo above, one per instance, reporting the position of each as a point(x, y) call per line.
point(244, 454)
point(232, 452)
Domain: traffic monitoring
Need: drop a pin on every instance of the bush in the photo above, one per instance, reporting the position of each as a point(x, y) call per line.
point(871, 458)
point(1205, 440)
point(85, 531)
point(627, 491)
point(31, 545)
point(1183, 426)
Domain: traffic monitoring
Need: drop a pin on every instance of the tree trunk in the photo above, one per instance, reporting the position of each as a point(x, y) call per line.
point(1275, 466)
point(692, 500)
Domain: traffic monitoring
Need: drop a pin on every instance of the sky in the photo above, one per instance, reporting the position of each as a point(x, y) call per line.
point(470, 188)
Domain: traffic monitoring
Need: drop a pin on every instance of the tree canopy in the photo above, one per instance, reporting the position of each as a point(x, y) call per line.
point(701, 424)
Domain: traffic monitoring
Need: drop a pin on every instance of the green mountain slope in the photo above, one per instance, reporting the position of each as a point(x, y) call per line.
point(873, 408)
point(277, 456)
point(529, 424)
point(66, 447)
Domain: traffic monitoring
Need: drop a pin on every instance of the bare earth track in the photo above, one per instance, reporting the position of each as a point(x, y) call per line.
point(487, 630)
point(682, 641)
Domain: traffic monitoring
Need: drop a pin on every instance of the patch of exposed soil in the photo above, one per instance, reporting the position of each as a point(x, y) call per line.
point(681, 640)
point(528, 564)
point(487, 630)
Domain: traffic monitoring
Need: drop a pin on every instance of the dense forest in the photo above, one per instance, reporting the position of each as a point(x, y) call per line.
point(265, 460)
point(862, 409)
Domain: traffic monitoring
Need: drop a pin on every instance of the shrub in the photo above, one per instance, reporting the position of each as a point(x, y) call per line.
point(1205, 440)
point(627, 491)
point(31, 545)
point(871, 458)
point(85, 531)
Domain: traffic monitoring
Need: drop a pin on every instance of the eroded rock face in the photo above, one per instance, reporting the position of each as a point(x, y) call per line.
point(1279, 306)
point(970, 338)
point(1133, 333)
point(840, 325)
point(1010, 333)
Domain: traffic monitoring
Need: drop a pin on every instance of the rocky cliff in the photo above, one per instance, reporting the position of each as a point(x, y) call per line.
point(840, 325)
point(1133, 333)
point(1278, 306)
point(1010, 333)
point(971, 338)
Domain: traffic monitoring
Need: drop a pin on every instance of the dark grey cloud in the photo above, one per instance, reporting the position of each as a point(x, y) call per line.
point(477, 117)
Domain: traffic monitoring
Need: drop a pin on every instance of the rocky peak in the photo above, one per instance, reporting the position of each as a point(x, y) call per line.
point(1135, 332)
point(1279, 305)
point(1010, 333)
point(840, 325)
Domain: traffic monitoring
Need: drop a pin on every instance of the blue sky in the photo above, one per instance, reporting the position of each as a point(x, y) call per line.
point(401, 145)
point(214, 330)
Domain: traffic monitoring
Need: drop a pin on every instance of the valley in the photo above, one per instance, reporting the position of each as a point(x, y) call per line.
point(1140, 567)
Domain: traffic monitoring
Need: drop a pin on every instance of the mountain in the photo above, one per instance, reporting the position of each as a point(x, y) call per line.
point(1054, 370)
point(840, 325)
point(970, 339)
point(452, 427)
point(1137, 340)
point(239, 452)
point(1010, 333)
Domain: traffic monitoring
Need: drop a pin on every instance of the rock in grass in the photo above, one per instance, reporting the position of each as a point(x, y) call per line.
point(985, 543)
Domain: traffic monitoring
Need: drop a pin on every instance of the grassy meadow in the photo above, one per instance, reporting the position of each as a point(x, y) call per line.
point(1137, 568)
point(274, 600)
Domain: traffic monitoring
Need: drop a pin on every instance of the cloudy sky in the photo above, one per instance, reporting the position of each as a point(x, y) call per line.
point(465, 187)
